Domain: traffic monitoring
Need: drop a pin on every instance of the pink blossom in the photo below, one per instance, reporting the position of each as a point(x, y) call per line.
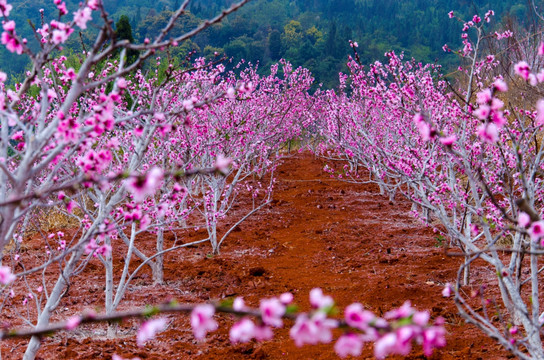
point(446, 292)
point(498, 118)
point(61, 32)
point(70, 206)
point(9, 25)
point(149, 329)
point(18, 135)
point(522, 69)
point(488, 15)
point(91, 246)
point(62, 8)
point(243, 331)
point(424, 129)
point(421, 318)
point(405, 335)
point(117, 357)
point(231, 93)
point(450, 15)
point(357, 317)
point(59, 36)
point(140, 187)
point(73, 322)
point(6, 276)
point(263, 333)
point(505, 35)
point(488, 133)
point(5, 8)
point(51, 94)
point(524, 220)
point(448, 140)
point(496, 104)
point(239, 304)
point(349, 344)
point(385, 345)
point(202, 321)
point(12, 95)
point(484, 96)
point(483, 112)
point(433, 337)
point(104, 250)
point(93, 4)
point(121, 83)
point(320, 301)
point(272, 311)
point(467, 49)
point(540, 112)
point(286, 298)
point(246, 88)
point(540, 76)
point(536, 231)
point(533, 80)
point(9, 39)
point(324, 326)
point(404, 311)
point(81, 17)
point(222, 163)
point(312, 331)
point(144, 222)
point(188, 105)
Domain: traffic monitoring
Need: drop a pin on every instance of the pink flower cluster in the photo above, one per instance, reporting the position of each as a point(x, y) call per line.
point(202, 320)
point(6, 277)
point(535, 229)
point(10, 39)
point(393, 334)
point(425, 130)
point(5, 8)
point(504, 35)
point(143, 186)
point(149, 329)
point(490, 112)
point(61, 32)
point(81, 17)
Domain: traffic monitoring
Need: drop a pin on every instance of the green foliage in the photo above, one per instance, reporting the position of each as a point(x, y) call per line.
point(440, 241)
point(313, 33)
point(123, 31)
point(274, 45)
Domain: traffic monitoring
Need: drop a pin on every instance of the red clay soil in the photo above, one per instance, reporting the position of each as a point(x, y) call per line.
point(319, 232)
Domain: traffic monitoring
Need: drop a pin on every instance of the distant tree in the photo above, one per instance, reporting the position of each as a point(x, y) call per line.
point(123, 31)
point(138, 16)
point(238, 49)
point(292, 35)
point(330, 45)
point(314, 35)
point(274, 44)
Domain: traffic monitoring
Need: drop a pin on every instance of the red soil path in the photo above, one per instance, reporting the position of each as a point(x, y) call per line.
point(319, 232)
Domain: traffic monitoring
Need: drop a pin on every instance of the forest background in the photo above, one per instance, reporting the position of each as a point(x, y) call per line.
point(311, 33)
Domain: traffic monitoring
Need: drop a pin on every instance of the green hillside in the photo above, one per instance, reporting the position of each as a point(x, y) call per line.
point(310, 33)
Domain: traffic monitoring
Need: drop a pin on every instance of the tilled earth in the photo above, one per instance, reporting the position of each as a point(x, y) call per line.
point(319, 232)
